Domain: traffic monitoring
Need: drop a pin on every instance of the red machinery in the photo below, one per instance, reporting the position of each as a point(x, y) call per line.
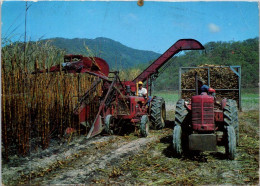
point(118, 102)
point(204, 122)
point(80, 64)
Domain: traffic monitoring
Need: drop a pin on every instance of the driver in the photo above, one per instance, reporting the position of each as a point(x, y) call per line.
point(205, 88)
point(141, 91)
point(202, 86)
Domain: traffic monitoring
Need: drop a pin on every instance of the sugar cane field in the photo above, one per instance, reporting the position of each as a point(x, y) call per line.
point(129, 159)
point(37, 109)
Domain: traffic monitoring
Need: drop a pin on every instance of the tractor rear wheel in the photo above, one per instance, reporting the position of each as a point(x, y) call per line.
point(181, 112)
point(144, 126)
point(231, 117)
point(230, 143)
point(183, 119)
point(177, 138)
point(109, 124)
point(158, 113)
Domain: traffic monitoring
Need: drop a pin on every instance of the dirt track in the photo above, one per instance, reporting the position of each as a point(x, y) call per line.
point(130, 159)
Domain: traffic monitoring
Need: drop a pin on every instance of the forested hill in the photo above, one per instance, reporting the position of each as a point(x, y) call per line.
point(115, 53)
point(242, 53)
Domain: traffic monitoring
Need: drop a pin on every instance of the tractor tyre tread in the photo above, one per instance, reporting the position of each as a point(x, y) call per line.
point(231, 117)
point(230, 143)
point(158, 113)
point(177, 140)
point(108, 120)
point(144, 126)
point(180, 112)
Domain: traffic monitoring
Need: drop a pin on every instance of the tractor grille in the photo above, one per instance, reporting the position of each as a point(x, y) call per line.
point(123, 107)
point(206, 113)
point(203, 112)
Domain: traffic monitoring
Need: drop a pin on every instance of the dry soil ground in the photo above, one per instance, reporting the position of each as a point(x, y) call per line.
point(129, 159)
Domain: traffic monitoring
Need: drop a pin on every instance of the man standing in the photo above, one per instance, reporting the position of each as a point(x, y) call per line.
point(141, 91)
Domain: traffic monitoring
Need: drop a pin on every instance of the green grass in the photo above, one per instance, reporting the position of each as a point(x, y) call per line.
point(249, 99)
point(250, 90)
point(168, 96)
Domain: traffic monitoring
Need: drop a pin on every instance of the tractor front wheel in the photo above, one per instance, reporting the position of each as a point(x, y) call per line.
point(144, 126)
point(230, 143)
point(109, 124)
point(158, 113)
point(177, 135)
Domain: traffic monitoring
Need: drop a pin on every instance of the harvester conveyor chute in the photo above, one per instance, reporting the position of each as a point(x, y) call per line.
point(182, 44)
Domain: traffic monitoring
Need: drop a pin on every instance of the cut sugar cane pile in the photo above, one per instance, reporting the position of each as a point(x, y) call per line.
point(220, 78)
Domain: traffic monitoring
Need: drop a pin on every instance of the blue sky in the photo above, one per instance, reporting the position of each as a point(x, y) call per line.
point(154, 26)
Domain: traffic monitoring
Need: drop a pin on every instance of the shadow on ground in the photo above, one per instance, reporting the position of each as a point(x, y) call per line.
point(187, 154)
point(169, 124)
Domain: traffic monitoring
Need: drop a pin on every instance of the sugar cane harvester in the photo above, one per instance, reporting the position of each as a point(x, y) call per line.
point(119, 101)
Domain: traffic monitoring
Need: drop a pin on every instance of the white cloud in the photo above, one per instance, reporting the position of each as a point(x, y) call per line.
point(129, 19)
point(213, 27)
point(132, 16)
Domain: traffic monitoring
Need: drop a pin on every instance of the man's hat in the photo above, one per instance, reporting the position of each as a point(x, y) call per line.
point(140, 83)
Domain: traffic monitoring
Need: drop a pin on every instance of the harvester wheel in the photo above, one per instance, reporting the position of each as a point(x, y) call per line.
point(109, 122)
point(158, 113)
point(231, 117)
point(230, 143)
point(177, 137)
point(144, 126)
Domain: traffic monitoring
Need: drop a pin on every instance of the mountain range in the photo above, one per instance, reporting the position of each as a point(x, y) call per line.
point(113, 52)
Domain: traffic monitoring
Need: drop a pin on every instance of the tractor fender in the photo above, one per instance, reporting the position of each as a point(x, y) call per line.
point(223, 103)
point(187, 105)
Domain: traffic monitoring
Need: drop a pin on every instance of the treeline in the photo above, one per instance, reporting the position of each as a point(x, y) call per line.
point(233, 53)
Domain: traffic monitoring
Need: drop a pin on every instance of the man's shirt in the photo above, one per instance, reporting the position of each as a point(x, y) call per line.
point(142, 92)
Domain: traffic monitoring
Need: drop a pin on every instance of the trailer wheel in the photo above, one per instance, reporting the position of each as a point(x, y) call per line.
point(158, 113)
point(176, 142)
point(109, 124)
point(231, 117)
point(230, 143)
point(144, 126)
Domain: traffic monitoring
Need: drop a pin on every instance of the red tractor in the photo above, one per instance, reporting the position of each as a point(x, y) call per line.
point(119, 102)
point(204, 122)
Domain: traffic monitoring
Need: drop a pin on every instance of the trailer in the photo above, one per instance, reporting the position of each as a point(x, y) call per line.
point(226, 80)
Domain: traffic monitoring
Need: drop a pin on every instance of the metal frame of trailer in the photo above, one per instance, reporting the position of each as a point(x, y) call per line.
point(235, 69)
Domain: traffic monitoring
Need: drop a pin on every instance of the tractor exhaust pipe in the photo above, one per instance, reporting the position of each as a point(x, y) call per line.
point(196, 84)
